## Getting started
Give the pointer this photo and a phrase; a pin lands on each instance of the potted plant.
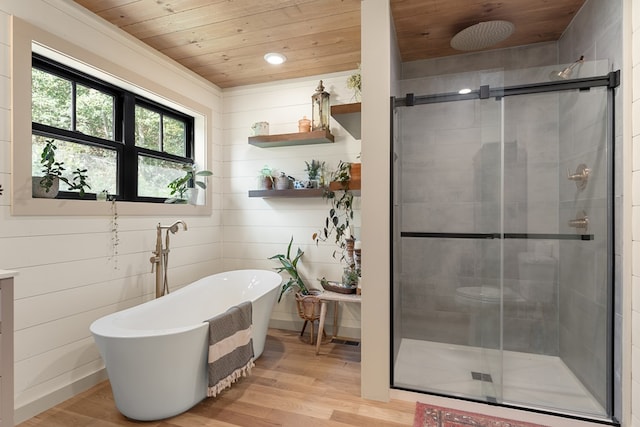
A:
(265, 177)
(47, 185)
(291, 267)
(307, 304)
(313, 172)
(350, 276)
(354, 82)
(181, 185)
(339, 221)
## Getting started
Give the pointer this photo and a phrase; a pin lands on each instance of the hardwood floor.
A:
(289, 386)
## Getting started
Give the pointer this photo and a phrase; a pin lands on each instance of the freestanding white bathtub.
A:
(156, 353)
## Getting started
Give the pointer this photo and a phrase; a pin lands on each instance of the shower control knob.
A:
(581, 176)
(581, 222)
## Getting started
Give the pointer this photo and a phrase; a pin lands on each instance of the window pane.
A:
(147, 129)
(50, 99)
(174, 134)
(154, 176)
(94, 112)
(100, 162)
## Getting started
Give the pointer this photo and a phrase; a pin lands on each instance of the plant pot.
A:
(193, 196)
(308, 310)
(355, 172)
(266, 183)
(39, 192)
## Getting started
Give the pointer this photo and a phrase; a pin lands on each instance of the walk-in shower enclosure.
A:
(502, 238)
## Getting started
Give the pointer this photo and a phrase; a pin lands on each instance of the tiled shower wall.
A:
(596, 33)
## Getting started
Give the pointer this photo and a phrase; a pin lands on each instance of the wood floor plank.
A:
(290, 386)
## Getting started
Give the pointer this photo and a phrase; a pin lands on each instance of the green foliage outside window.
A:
(87, 134)
(50, 100)
(148, 132)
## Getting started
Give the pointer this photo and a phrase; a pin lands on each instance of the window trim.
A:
(28, 38)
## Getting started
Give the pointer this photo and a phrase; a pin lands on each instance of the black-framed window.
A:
(131, 146)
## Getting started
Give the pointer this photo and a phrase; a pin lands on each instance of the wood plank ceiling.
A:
(224, 41)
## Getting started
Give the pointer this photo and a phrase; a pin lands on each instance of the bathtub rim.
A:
(107, 327)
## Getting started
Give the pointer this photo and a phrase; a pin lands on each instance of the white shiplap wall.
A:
(66, 276)
(257, 228)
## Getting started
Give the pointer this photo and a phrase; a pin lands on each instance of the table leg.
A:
(323, 315)
(335, 318)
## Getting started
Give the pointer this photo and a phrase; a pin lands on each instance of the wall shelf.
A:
(348, 115)
(302, 192)
(354, 186)
(289, 139)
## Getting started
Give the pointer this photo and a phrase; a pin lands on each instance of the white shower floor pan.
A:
(529, 380)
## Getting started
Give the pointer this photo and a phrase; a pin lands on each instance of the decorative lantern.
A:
(320, 109)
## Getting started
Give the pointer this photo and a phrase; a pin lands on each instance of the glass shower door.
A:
(503, 255)
(556, 237)
(448, 258)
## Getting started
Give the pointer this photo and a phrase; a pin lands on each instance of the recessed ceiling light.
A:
(275, 58)
(464, 91)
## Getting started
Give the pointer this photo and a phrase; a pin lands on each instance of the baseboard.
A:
(34, 408)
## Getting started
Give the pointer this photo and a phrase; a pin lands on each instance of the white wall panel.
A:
(68, 276)
(254, 228)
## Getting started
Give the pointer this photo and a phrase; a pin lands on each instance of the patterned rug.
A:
(436, 416)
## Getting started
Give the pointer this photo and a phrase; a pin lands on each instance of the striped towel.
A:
(230, 347)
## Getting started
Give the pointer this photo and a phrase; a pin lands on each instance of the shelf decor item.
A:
(304, 124)
(338, 287)
(260, 128)
(266, 178)
(313, 171)
(320, 109)
(283, 182)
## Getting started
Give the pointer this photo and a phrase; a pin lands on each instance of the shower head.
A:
(566, 73)
(482, 35)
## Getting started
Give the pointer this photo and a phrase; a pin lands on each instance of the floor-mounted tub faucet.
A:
(160, 258)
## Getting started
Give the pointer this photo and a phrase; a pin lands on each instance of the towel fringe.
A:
(224, 383)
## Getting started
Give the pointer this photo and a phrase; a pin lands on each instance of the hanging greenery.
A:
(115, 238)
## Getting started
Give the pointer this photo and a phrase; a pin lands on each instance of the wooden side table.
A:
(326, 297)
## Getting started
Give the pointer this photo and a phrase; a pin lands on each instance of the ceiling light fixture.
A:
(482, 35)
(464, 91)
(275, 58)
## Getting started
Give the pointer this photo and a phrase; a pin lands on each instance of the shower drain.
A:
(480, 376)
